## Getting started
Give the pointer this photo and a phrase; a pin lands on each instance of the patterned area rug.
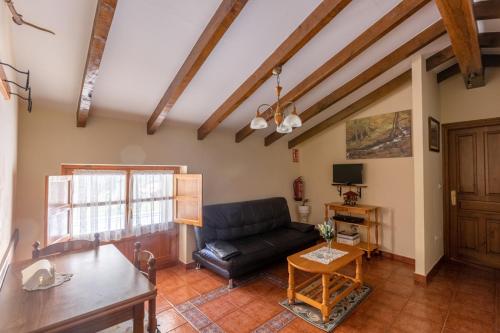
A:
(339, 312)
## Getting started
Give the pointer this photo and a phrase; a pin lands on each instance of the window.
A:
(114, 201)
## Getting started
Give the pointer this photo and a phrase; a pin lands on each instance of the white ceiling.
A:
(149, 41)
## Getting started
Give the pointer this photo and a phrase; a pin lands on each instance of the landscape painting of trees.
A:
(380, 136)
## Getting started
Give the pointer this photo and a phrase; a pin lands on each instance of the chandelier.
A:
(283, 124)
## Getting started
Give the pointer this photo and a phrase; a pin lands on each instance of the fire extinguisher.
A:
(298, 189)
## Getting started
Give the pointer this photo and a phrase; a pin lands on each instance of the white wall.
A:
(8, 138)
(461, 104)
(389, 180)
(428, 202)
(232, 172)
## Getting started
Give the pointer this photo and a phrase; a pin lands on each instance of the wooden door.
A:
(474, 183)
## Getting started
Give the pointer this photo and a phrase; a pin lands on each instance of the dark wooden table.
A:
(106, 289)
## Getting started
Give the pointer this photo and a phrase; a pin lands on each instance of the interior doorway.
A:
(471, 153)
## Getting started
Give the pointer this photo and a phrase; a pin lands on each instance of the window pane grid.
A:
(115, 203)
(151, 200)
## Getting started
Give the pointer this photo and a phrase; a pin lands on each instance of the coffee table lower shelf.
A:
(317, 291)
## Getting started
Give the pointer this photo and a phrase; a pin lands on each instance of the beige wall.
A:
(231, 171)
(461, 104)
(8, 138)
(428, 202)
(389, 180)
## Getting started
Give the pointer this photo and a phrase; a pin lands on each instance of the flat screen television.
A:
(348, 174)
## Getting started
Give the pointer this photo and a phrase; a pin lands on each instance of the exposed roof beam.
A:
(401, 53)
(383, 26)
(447, 73)
(439, 58)
(351, 109)
(460, 23)
(319, 18)
(219, 23)
(489, 39)
(487, 10)
(489, 60)
(102, 23)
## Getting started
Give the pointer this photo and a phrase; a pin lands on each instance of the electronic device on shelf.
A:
(348, 218)
(348, 174)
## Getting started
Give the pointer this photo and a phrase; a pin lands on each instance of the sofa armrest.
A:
(223, 250)
(302, 227)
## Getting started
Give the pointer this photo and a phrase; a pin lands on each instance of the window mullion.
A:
(127, 204)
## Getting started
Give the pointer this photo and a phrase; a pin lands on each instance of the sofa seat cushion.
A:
(254, 250)
(286, 239)
(254, 253)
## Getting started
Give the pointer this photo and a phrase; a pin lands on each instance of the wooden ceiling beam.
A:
(439, 58)
(487, 10)
(447, 73)
(102, 23)
(378, 30)
(458, 17)
(392, 59)
(489, 60)
(318, 19)
(220, 22)
(489, 39)
(355, 107)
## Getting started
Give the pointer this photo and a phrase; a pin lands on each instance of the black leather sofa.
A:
(238, 238)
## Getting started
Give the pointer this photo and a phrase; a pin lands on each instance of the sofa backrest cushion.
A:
(242, 219)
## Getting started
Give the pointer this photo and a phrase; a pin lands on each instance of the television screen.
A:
(348, 173)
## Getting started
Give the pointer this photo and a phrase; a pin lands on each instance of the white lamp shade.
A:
(258, 123)
(292, 120)
(283, 129)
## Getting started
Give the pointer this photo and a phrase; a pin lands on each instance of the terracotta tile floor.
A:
(458, 299)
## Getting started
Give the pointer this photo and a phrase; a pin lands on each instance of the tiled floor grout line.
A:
(455, 291)
(401, 310)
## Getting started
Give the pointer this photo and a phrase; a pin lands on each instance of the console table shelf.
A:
(371, 215)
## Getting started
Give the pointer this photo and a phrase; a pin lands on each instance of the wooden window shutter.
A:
(57, 208)
(188, 199)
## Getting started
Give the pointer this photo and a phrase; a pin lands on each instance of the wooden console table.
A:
(371, 214)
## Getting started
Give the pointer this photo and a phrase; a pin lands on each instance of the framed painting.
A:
(434, 135)
(381, 136)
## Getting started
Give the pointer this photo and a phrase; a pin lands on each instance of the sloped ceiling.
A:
(149, 41)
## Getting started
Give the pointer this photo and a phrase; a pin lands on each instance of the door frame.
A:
(446, 129)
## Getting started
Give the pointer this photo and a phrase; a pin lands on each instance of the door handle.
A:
(453, 197)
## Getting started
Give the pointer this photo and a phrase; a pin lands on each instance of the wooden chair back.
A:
(62, 247)
(146, 264)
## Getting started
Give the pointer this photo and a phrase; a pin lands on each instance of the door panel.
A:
(466, 152)
(468, 233)
(493, 233)
(492, 155)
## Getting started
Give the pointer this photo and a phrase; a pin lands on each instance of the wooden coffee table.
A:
(331, 281)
